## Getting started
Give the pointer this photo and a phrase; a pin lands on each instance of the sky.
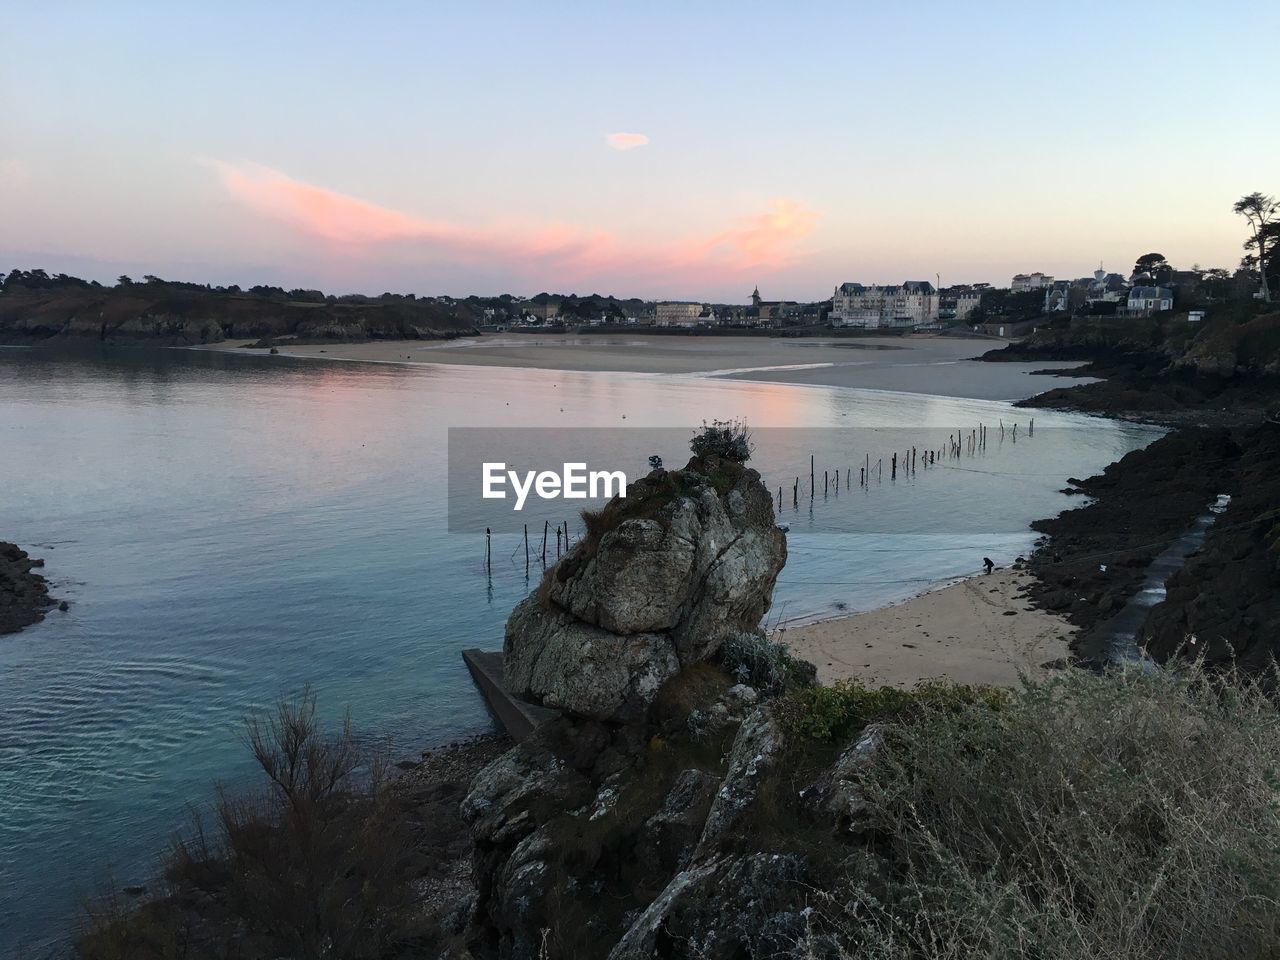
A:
(690, 149)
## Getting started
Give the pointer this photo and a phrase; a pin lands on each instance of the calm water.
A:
(228, 528)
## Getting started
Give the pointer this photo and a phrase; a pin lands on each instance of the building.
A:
(1023, 282)
(1106, 287)
(543, 311)
(679, 313)
(770, 311)
(967, 301)
(910, 304)
(959, 302)
(1146, 300)
(1057, 297)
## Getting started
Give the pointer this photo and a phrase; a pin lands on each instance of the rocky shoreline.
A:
(24, 594)
(1223, 439)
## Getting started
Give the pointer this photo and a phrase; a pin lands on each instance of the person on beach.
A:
(988, 563)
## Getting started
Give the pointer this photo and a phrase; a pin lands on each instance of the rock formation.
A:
(665, 575)
(24, 597)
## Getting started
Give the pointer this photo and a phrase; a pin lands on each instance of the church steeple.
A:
(755, 297)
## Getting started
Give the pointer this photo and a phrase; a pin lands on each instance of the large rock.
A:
(690, 560)
(570, 665)
(756, 750)
(637, 580)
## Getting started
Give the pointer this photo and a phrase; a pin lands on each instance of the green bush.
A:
(726, 439)
(841, 710)
(1134, 815)
(765, 664)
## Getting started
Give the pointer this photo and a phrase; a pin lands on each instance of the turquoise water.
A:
(228, 528)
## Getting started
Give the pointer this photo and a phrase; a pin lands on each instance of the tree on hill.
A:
(1155, 266)
(1262, 213)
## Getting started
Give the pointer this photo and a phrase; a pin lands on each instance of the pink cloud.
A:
(626, 141)
(765, 241)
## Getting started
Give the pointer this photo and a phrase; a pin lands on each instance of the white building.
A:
(909, 304)
(1023, 282)
(678, 313)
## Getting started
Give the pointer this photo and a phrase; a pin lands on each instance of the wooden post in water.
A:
(487, 549)
(893, 467)
(526, 549)
(811, 476)
(795, 493)
(862, 477)
(546, 528)
(1031, 428)
(1015, 433)
(824, 483)
(779, 499)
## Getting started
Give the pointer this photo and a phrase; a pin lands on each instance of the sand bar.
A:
(942, 366)
(980, 630)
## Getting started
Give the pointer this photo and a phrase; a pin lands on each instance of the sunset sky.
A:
(658, 149)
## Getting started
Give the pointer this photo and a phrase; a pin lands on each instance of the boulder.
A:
(637, 579)
(687, 560)
(838, 791)
(517, 791)
(556, 660)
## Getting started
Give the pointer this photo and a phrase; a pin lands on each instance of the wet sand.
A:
(943, 364)
(979, 631)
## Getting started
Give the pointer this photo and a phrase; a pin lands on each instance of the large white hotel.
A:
(909, 304)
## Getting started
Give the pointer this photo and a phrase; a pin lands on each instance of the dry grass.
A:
(1126, 816)
(312, 864)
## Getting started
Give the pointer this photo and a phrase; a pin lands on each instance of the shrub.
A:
(312, 864)
(765, 664)
(727, 439)
(840, 711)
(1131, 815)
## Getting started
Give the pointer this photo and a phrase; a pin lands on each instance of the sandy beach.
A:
(946, 364)
(980, 630)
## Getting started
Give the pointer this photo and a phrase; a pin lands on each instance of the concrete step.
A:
(518, 717)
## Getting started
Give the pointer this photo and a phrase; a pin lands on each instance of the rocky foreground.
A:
(24, 595)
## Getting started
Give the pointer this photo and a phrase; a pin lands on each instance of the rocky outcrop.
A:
(1224, 603)
(646, 840)
(755, 751)
(656, 817)
(570, 665)
(24, 596)
(687, 560)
